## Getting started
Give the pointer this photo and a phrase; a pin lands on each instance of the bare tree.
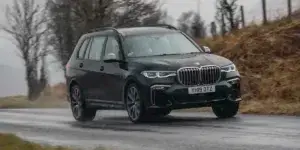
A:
(198, 26)
(228, 14)
(185, 21)
(26, 25)
(213, 29)
(137, 12)
(159, 17)
(61, 39)
(69, 19)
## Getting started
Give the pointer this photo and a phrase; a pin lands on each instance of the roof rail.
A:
(103, 29)
(163, 25)
(115, 29)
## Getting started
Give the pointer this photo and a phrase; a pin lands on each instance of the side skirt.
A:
(105, 105)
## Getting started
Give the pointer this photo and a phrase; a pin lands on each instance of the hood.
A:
(174, 62)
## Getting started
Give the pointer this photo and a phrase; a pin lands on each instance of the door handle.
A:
(81, 65)
(101, 68)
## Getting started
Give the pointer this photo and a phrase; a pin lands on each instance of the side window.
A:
(82, 49)
(86, 55)
(96, 48)
(112, 47)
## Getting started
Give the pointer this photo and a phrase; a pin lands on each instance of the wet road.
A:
(180, 131)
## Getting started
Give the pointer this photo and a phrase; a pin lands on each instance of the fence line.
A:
(265, 14)
(283, 8)
(274, 9)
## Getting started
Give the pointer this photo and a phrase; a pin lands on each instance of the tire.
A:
(78, 107)
(134, 103)
(226, 110)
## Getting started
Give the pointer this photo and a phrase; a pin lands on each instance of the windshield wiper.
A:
(166, 54)
(193, 53)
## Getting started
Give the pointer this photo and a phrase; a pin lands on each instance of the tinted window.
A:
(112, 46)
(158, 44)
(86, 55)
(96, 48)
(82, 49)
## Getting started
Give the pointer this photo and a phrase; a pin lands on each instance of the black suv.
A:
(148, 71)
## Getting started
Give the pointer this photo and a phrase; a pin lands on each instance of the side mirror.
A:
(111, 57)
(207, 49)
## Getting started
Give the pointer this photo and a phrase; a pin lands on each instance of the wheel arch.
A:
(72, 83)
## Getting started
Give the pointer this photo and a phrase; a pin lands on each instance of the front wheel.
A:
(226, 110)
(134, 104)
(79, 111)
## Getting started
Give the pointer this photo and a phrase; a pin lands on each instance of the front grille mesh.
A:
(199, 76)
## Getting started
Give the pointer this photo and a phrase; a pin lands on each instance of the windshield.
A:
(158, 44)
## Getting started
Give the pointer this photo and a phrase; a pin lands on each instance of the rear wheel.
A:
(134, 104)
(79, 110)
(226, 110)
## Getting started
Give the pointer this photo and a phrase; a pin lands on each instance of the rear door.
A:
(77, 66)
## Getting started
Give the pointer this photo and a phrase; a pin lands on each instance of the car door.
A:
(113, 72)
(93, 60)
(78, 65)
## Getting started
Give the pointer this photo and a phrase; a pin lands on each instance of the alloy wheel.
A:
(133, 103)
(76, 104)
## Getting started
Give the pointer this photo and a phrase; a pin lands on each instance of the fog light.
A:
(230, 97)
(158, 96)
(233, 81)
(160, 87)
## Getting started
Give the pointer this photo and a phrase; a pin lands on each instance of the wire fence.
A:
(274, 9)
(253, 13)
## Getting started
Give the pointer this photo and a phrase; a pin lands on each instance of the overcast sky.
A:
(174, 7)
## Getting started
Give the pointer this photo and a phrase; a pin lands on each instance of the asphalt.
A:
(179, 131)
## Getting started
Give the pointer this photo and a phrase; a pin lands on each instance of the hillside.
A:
(268, 58)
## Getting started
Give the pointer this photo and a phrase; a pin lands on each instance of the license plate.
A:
(202, 89)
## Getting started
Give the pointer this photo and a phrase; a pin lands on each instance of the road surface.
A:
(180, 131)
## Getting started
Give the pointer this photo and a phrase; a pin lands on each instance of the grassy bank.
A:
(22, 102)
(268, 58)
(52, 97)
(11, 142)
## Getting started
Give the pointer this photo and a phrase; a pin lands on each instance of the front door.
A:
(114, 79)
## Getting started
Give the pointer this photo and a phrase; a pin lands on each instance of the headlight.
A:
(158, 74)
(229, 68)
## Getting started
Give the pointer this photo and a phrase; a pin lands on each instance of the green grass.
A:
(12, 142)
(22, 102)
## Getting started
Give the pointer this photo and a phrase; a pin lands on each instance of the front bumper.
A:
(177, 97)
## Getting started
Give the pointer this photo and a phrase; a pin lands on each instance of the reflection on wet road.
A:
(179, 131)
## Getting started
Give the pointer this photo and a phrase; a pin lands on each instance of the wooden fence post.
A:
(264, 9)
(289, 9)
(223, 28)
(243, 17)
